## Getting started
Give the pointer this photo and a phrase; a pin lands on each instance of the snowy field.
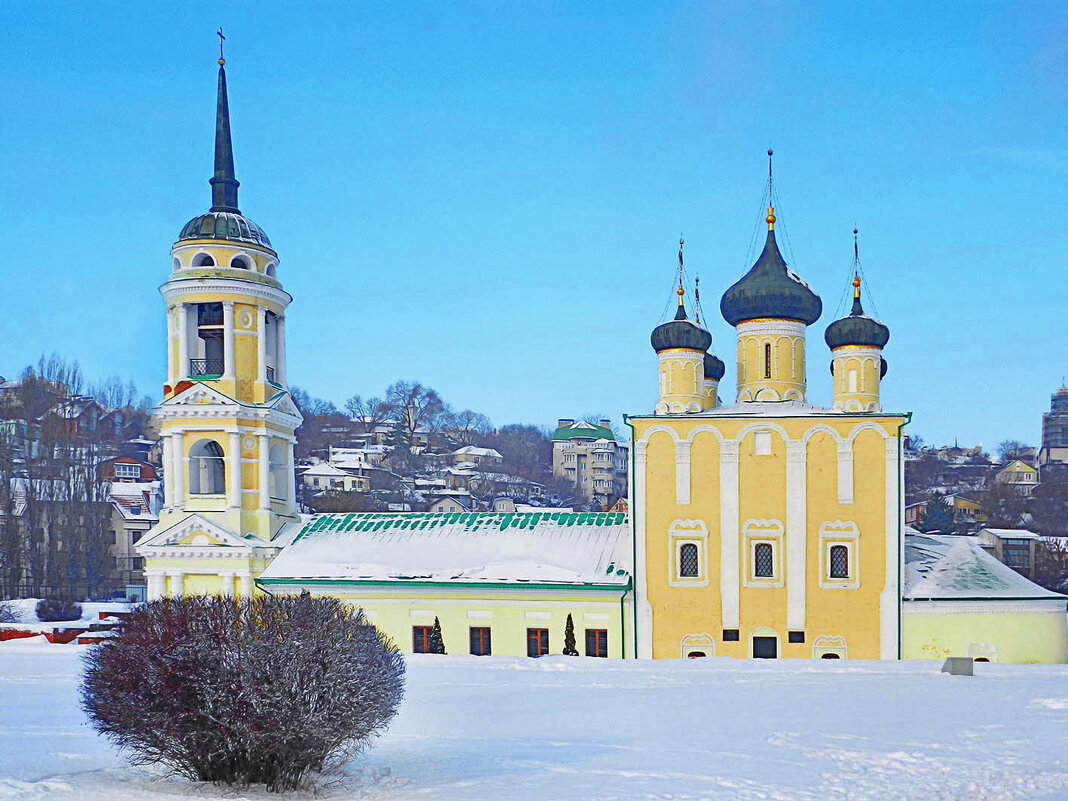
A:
(578, 728)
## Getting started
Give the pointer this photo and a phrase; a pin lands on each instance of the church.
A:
(768, 527)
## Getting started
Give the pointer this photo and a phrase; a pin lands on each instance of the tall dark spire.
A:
(223, 183)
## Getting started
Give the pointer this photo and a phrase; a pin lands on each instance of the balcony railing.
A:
(206, 367)
(270, 374)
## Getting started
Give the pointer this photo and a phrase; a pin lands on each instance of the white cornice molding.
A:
(177, 288)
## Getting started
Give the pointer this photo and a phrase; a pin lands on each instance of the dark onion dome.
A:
(857, 328)
(714, 367)
(771, 290)
(224, 225)
(680, 333)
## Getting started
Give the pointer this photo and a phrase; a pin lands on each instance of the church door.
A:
(765, 648)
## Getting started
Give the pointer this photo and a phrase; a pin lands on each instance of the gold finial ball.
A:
(856, 282)
(770, 219)
(222, 62)
(680, 292)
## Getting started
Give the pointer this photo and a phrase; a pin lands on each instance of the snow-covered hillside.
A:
(578, 728)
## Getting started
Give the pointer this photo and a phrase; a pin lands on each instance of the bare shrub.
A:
(267, 690)
(7, 612)
(55, 609)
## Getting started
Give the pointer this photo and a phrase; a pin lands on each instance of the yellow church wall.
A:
(508, 613)
(1005, 631)
(831, 610)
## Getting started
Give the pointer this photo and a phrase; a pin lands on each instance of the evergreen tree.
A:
(938, 517)
(569, 637)
(436, 644)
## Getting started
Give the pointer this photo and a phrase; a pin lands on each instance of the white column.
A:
(246, 585)
(156, 584)
(170, 341)
(796, 509)
(261, 344)
(890, 596)
(729, 574)
(643, 615)
(227, 584)
(175, 579)
(228, 340)
(291, 469)
(845, 471)
(280, 353)
(178, 471)
(168, 468)
(265, 455)
(235, 469)
(183, 341)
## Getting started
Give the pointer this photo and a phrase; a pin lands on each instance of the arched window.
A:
(271, 270)
(207, 468)
(767, 360)
(980, 659)
(764, 565)
(839, 562)
(688, 561)
(203, 260)
(277, 474)
(240, 263)
(696, 655)
(830, 656)
(176, 264)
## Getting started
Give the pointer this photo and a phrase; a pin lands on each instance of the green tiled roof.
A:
(582, 430)
(470, 521)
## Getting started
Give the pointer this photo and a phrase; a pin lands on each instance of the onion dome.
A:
(771, 290)
(224, 220)
(714, 367)
(857, 328)
(680, 333)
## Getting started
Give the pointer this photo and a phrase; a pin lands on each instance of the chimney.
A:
(564, 421)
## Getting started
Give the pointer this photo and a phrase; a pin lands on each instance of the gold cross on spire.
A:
(222, 60)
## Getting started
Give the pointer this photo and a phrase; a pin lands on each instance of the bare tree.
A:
(371, 412)
(1010, 449)
(468, 426)
(412, 407)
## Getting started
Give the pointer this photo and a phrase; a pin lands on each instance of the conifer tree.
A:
(938, 516)
(436, 644)
(569, 637)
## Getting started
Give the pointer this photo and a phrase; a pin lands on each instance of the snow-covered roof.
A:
(472, 450)
(1011, 533)
(574, 550)
(324, 469)
(947, 567)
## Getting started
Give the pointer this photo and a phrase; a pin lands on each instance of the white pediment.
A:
(200, 394)
(193, 532)
(284, 404)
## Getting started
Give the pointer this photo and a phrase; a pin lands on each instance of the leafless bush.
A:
(244, 692)
(7, 612)
(56, 609)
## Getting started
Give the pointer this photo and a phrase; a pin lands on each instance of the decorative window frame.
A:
(830, 644)
(756, 532)
(683, 532)
(697, 642)
(762, 443)
(839, 532)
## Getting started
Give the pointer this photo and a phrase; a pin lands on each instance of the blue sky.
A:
(487, 197)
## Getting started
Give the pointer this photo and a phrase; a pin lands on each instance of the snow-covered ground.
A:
(578, 728)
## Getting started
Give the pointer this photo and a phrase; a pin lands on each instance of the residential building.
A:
(968, 515)
(589, 456)
(1015, 547)
(323, 477)
(472, 456)
(1019, 475)
(1054, 450)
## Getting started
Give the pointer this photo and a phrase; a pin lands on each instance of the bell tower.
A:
(226, 420)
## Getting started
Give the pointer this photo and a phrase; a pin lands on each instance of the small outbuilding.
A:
(958, 600)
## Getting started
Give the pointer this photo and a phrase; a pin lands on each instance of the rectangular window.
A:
(138, 563)
(597, 642)
(480, 640)
(730, 635)
(795, 636)
(421, 639)
(537, 642)
(763, 560)
(127, 471)
(1016, 555)
(762, 443)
